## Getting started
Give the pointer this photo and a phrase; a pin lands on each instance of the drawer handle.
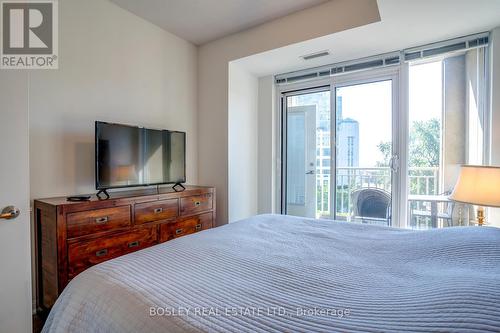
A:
(102, 220)
(133, 244)
(158, 210)
(178, 231)
(101, 253)
(197, 203)
(198, 227)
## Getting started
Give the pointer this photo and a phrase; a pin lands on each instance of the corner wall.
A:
(213, 69)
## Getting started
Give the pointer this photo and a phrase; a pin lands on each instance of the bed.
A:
(274, 273)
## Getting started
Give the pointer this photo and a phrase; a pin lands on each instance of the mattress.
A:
(274, 273)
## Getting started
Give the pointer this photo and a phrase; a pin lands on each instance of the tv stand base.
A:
(178, 187)
(102, 192)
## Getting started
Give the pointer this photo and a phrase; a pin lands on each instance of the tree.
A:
(424, 145)
(386, 150)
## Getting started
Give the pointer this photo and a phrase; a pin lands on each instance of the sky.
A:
(426, 91)
(371, 105)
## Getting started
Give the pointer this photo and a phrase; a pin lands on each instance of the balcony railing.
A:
(422, 180)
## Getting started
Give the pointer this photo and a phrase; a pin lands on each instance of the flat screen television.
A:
(128, 156)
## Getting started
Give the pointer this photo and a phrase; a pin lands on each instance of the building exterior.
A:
(347, 143)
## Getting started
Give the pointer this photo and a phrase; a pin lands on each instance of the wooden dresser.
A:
(72, 236)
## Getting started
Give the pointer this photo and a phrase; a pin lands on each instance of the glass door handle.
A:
(310, 172)
(394, 163)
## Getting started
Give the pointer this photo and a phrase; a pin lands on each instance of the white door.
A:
(15, 253)
(301, 160)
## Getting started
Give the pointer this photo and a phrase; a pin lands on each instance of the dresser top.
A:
(162, 191)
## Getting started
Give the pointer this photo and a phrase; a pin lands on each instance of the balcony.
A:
(423, 182)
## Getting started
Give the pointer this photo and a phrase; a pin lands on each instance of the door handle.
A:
(9, 212)
(310, 172)
(394, 163)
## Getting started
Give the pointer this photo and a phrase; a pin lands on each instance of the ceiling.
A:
(202, 21)
(404, 23)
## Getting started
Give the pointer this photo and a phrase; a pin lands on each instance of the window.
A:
(445, 131)
(406, 154)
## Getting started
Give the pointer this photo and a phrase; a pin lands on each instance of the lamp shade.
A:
(478, 185)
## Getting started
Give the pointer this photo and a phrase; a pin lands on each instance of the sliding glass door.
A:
(338, 149)
(364, 152)
(380, 140)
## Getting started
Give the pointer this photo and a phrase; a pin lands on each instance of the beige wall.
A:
(114, 66)
(213, 60)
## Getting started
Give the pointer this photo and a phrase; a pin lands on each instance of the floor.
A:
(38, 321)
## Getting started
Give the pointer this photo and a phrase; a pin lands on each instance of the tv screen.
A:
(132, 156)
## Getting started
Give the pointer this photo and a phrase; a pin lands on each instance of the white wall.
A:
(213, 60)
(242, 134)
(267, 119)
(114, 66)
(494, 217)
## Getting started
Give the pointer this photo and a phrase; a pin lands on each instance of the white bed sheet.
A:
(274, 273)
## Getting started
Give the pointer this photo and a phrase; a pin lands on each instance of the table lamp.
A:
(478, 185)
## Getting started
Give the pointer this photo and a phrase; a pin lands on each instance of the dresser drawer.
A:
(93, 221)
(156, 210)
(185, 226)
(82, 255)
(196, 204)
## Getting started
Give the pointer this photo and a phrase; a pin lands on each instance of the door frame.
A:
(398, 75)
